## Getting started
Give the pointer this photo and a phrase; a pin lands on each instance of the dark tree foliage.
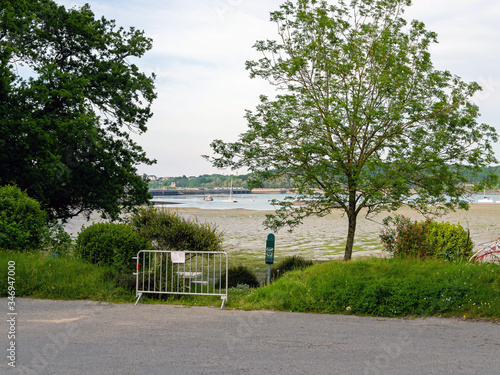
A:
(69, 98)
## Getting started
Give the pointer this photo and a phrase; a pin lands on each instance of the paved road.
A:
(83, 337)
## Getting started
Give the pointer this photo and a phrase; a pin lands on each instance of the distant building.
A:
(152, 177)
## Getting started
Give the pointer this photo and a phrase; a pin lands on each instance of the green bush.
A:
(110, 244)
(289, 264)
(167, 230)
(405, 238)
(240, 275)
(450, 241)
(23, 224)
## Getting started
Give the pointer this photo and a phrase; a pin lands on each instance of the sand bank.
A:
(322, 238)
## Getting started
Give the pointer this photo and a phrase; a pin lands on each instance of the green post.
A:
(269, 255)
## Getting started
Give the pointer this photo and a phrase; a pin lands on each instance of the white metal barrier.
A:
(182, 272)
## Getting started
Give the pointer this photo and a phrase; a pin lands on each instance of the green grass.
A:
(385, 287)
(40, 276)
(253, 261)
(376, 287)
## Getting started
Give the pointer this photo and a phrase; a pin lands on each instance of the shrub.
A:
(57, 241)
(450, 241)
(110, 244)
(240, 275)
(167, 230)
(23, 223)
(289, 264)
(406, 238)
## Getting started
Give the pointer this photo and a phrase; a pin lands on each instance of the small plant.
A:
(239, 276)
(23, 223)
(289, 264)
(167, 230)
(57, 241)
(110, 244)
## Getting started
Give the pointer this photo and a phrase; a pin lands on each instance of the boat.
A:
(208, 198)
(485, 199)
(230, 200)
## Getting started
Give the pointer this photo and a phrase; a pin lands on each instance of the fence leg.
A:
(139, 298)
(223, 301)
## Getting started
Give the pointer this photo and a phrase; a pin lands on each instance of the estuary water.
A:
(258, 201)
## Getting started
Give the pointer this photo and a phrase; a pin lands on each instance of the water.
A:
(254, 201)
(243, 201)
(493, 198)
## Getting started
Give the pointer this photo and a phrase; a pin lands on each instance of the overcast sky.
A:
(199, 53)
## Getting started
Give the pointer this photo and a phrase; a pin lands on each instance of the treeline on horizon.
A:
(213, 181)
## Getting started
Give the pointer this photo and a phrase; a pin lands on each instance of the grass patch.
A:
(253, 261)
(385, 287)
(40, 276)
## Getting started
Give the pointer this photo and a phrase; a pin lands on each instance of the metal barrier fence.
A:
(182, 272)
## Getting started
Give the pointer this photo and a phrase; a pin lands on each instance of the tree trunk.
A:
(350, 234)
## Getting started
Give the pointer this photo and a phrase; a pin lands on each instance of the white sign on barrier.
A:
(178, 257)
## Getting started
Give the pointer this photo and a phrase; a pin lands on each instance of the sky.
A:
(199, 53)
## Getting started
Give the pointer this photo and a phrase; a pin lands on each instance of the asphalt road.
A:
(83, 337)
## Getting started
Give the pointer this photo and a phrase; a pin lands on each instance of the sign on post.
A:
(269, 255)
(270, 249)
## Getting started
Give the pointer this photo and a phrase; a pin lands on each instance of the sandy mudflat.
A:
(322, 238)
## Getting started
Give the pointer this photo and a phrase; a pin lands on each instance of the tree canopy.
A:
(70, 95)
(361, 121)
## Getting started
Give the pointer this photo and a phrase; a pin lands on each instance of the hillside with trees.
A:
(212, 181)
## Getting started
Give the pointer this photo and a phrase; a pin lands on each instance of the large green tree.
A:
(362, 121)
(70, 96)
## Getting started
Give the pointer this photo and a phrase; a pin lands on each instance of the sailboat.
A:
(485, 199)
(230, 200)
